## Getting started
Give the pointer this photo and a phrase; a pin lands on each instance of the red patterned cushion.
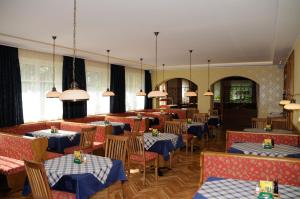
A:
(149, 156)
(16, 147)
(244, 167)
(10, 165)
(236, 136)
(51, 155)
(62, 195)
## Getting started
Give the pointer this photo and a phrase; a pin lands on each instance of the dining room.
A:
(149, 99)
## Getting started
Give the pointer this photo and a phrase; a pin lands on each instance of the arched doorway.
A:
(236, 99)
(176, 89)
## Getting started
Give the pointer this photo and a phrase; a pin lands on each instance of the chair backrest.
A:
(174, 127)
(136, 125)
(136, 144)
(200, 117)
(213, 112)
(38, 180)
(279, 123)
(259, 123)
(87, 137)
(116, 147)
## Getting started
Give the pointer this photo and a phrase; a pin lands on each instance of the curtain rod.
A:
(68, 48)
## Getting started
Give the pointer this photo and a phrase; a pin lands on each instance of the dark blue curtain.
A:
(74, 109)
(11, 109)
(148, 88)
(117, 85)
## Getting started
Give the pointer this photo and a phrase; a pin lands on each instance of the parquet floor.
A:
(181, 182)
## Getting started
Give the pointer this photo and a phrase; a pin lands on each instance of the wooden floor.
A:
(182, 181)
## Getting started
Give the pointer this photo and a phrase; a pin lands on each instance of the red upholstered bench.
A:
(241, 136)
(245, 167)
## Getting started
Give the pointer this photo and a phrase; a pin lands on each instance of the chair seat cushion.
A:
(98, 145)
(62, 195)
(51, 155)
(149, 156)
(187, 137)
(10, 165)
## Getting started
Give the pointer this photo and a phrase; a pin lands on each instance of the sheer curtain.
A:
(133, 85)
(96, 83)
(36, 78)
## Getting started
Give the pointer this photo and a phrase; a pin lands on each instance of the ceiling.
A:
(228, 31)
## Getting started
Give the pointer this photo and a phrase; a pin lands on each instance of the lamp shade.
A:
(284, 102)
(208, 93)
(190, 94)
(74, 94)
(141, 93)
(108, 93)
(157, 93)
(53, 93)
(292, 106)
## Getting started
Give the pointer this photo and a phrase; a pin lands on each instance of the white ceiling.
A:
(227, 31)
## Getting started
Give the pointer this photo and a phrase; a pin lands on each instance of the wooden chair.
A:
(187, 138)
(136, 125)
(279, 123)
(173, 127)
(259, 123)
(39, 183)
(200, 117)
(138, 156)
(116, 148)
(86, 144)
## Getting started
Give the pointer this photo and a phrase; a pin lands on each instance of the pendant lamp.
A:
(53, 93)
(74, 93)
(292, 106)
(156, 92)
(108, 93)
(208, 92)
(165, 92)
(190, 93)
(141, 92)
(284, 102)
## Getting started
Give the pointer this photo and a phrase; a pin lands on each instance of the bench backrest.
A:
(240, 136)
(246, 167)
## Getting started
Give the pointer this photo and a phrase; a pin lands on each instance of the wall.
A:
(296, 114)
(269, 78)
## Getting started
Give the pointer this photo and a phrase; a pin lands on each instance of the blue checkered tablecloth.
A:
(150, 140)
(61, 133)
(257, 130)
(279, 150)
(241, 189)
(96, 165)
(196, 124)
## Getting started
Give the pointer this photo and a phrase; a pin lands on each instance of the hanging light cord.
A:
(74, 40)
(190, 69)
(141, 59)
(208, 61)
(107, 68)
(53, 61)
(156, 33)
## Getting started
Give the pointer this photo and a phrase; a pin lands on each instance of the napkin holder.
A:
(189, 121)
(155, 132)
(106, 122)
(268, 144)
(139, 116)
(77, 157)
(54, 129)
(268, 128)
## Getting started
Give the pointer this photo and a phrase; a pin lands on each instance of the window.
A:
(96, 82)
(217, 92)
(185, 86)
(132, 86)
(36, 78)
